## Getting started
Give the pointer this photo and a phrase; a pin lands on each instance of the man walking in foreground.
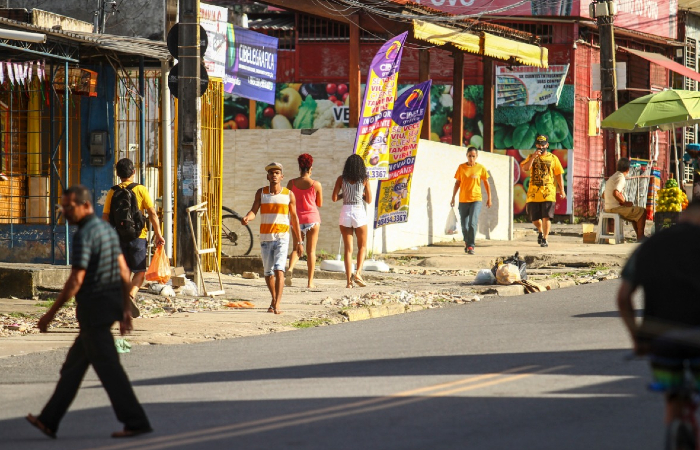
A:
(615, 201)
(99, 280)
(123, 209)
(545, 169)
(277, 206)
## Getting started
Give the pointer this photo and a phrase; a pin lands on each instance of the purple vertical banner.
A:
(251, 64)
(372, 140)
(394, 194)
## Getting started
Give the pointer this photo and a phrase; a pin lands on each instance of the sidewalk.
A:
(425, 277)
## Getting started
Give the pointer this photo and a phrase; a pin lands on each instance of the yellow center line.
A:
(347, 409)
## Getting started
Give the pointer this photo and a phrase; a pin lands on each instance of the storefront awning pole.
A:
(53, 189)
(142, 120)
(66, 159)
(167, 166)
(675, 152)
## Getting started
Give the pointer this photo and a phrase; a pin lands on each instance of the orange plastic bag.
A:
(159, 270)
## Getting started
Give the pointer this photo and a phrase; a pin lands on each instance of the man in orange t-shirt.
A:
(468, 182)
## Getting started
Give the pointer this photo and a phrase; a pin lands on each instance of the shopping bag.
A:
(451, 225)
(159, 270)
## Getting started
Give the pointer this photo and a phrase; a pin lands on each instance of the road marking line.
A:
(348, 409)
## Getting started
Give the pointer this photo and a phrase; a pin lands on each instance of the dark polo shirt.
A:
(96, 249)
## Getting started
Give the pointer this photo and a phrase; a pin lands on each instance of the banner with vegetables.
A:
(394, 194)
(251, 64)
(526, 85)
(371, 141)
(521, 179)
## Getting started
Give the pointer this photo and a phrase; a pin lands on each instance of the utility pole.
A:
(188, 119)
(604, 13)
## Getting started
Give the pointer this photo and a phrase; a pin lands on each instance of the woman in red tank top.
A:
(309, 196)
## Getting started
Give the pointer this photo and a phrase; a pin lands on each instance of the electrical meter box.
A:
(98, 148)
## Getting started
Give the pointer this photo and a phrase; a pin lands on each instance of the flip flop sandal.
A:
(130, 433)
(271, 309)
(43, 428)
(359, 281)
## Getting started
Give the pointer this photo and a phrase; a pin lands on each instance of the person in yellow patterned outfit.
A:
(545, 169)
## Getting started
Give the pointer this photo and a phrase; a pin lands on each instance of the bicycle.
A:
(236, 238)
(681, 434)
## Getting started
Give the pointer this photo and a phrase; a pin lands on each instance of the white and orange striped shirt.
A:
(274, 215)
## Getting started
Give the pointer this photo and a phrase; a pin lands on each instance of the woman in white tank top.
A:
(353, 187)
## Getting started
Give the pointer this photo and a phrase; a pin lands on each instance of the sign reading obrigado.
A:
(251, 64)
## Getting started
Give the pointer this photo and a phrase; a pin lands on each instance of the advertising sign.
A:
(394, 194)
(214, 20)
(648, 16)
(372, 140)
(251, 64)
(525, 85)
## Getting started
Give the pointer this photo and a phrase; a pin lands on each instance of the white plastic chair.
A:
(618, 233)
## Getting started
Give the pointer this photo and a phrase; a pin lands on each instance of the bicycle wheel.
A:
(680, 436)
(236, 238)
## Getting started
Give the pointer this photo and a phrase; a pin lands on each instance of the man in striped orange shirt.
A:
(278, 211)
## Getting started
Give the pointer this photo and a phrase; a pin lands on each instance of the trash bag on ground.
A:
(514, 260)
(507, 274)
(123, 346)
(451, 226)
(159, 270)
(189, 289)
(155, 288)
(484, 276)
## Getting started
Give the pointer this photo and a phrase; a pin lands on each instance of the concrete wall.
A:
(143, 18)
(246, 152)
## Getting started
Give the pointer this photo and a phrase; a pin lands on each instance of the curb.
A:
(390, 309)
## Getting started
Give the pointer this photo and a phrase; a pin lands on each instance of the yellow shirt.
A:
(142, 197)
(542, 173)
(470, 182)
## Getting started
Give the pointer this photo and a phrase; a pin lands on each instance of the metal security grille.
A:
(542, 30)
(127, 124)
(211, 169)
(32, 143)
(691, 62)
(212, 127)
(311, 28)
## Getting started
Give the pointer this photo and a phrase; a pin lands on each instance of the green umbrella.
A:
(664, 110)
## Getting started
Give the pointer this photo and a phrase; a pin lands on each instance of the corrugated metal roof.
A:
(120, 44)
(272, 23)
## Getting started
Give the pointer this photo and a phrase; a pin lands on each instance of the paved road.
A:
(544, 371)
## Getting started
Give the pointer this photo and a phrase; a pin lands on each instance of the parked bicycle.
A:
(236, 238)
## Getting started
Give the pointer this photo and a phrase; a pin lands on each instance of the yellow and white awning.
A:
(482, 44)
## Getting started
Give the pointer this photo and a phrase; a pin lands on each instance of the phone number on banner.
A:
(378, 172)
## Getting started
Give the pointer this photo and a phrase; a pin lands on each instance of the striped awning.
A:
(482, 44)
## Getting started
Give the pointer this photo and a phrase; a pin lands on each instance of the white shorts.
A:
(353, 216)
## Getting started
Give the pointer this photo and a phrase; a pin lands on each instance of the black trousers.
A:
(95, 346)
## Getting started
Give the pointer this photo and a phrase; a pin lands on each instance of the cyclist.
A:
(670, 329)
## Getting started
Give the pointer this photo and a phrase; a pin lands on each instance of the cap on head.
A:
(541, 140)
(274, 165)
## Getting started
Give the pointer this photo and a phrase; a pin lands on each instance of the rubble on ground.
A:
(428, 299)
(16, 324)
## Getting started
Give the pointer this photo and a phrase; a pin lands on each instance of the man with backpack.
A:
(123, 209)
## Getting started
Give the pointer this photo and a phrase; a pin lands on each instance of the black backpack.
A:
(124, 213)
